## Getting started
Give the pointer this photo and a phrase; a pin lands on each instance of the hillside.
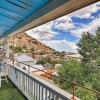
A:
(29, 42)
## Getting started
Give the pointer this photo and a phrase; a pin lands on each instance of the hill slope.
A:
(29, 42)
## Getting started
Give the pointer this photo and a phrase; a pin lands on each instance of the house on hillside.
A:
(24, 59)
(57, 66)
(38, 57)
(47, 65)
(52, 56)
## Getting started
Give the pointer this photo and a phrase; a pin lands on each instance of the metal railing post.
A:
(28, 69)
(73, 84)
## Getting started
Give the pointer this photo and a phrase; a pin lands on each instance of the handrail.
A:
(71, 82)
(13, 74)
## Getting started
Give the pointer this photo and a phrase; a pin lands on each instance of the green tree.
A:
(71, 70)
(11, 47)
(86, 72)
(18, 49)
(55, 52)
(1, 43)
(32, 52)
(89, 47)
(44, 60)
(32, 49)
(86, 47)
(42, 52)
(24, 46)
(85, 94)
(89, 77)
(97, 43)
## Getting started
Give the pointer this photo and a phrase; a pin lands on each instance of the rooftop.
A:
(24, 57)
(74, 55)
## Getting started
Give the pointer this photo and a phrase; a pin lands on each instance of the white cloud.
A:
(64, 19)
(86, 12)
(61, 45)
(64, 26)
(91, 27)
(43, 32)
(64, 23)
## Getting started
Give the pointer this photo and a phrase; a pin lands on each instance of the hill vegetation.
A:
(24, 41)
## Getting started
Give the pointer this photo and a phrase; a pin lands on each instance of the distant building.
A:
(58, 66)
(63, 52)
(47, 65)
(52, 56)
(56, 57)
(24, 59)
(38, 57)
(74, 56)
(50, 71)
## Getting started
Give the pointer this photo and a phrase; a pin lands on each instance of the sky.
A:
(63, 33)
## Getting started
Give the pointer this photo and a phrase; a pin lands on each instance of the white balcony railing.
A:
(35, 87)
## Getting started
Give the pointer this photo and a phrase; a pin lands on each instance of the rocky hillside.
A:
(29, 42)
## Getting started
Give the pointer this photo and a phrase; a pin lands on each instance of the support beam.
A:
(13, 52)
(6, 46)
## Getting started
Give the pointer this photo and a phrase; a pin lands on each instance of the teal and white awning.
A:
(17, 16)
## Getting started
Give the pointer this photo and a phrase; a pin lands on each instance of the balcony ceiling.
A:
(17, 16)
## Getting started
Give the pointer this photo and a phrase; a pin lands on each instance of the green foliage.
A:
(19, 37)
(32, 52)
(18, 49)
(1, 43)
(24, 46)
(44, 60)
(42, 53)
(89, 46)
(71, 71)
(53, 62)
(32, 49)
(11, 47)
(87, 76)
(61, 55)
(85, 94)
(48, 60)
(55, 52)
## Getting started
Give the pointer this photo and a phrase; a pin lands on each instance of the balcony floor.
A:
(8, 91)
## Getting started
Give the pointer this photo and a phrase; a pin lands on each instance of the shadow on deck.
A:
(9, 91)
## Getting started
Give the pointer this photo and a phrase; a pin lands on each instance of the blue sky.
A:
(63, 33)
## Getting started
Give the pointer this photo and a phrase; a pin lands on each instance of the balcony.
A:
(21, 16)
(28, 86)
(32, 86)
